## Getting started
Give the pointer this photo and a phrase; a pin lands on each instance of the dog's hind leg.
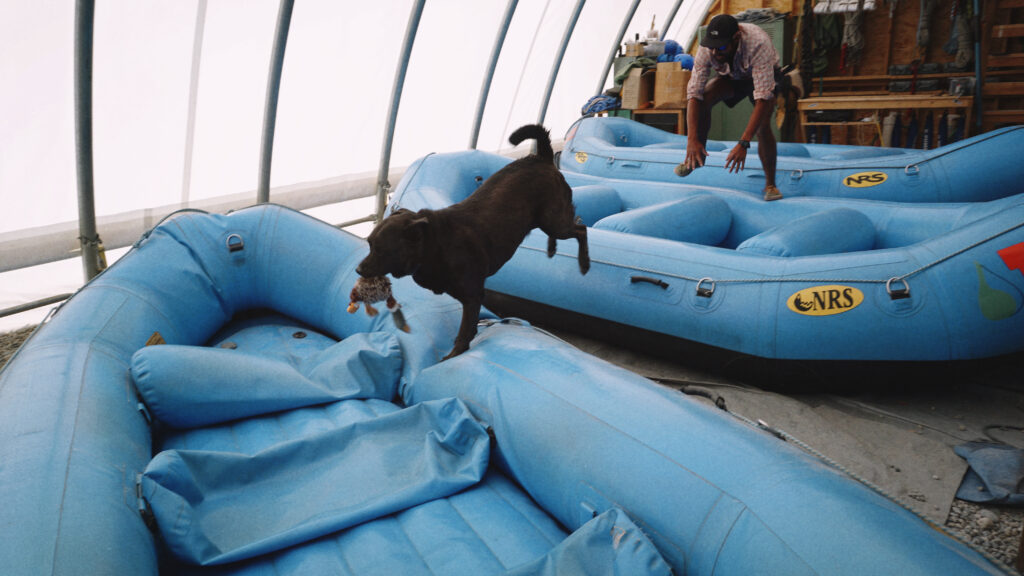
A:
(552, 246)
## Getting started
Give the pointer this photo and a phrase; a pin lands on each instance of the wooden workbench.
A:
(878, 103)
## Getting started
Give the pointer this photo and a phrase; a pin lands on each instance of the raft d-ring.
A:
(611, 159)
(897, 293)
(705, 291)
(796, 174)
(911, 170)
(235, 243)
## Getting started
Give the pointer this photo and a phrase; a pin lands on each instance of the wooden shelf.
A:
(879, 103)
(1012, 60)
(887, 102)
(1008, 31)
(679, 115)
(1004, 89)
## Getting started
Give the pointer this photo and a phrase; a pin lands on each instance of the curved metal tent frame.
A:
(122, 232)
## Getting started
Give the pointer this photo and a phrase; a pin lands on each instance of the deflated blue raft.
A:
(800, 279)
(983, 167)
(207, 405)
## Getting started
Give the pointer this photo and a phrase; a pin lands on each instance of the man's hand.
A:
(737, 159)
(695, 154)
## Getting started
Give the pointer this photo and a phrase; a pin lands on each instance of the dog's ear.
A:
(416, 228)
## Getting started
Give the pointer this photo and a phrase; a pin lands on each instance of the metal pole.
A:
(615, 46)
(33, 305)
(558, 60)
(499, 41)
(190, 130)
(671, 17)
(978, 104)
(87, 236)
(284, 21)
(383, 187)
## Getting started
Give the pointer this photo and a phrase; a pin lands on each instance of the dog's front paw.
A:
(584, 266)
(458, 349)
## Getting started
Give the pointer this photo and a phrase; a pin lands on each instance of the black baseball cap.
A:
(720, 31)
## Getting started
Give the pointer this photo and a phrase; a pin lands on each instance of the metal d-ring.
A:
(796, 174)
(705, 292)
(907, 170)
(611, 159)
(897, 294)
(235, 243)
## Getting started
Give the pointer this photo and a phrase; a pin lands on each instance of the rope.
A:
(522, 73)
(853, 37)
(961, 251)
(980, 139)
(147, 233)
(923, 24)
(768, 280)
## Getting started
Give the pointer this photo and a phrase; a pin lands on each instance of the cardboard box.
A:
(638, 89)
(670, 85)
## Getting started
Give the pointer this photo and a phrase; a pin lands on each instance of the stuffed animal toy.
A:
(377, 289)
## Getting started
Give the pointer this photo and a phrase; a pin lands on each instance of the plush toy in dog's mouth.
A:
(376, 289)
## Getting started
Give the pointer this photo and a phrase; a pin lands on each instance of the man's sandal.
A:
(772, 193)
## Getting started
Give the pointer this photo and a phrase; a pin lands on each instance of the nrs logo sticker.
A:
(825, 300)
(864, 179)
(581, 157)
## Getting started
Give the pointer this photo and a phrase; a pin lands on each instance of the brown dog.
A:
(455, 249)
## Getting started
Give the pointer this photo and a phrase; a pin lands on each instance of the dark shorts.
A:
(744, 87)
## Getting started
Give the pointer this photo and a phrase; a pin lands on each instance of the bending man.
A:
(747, 66)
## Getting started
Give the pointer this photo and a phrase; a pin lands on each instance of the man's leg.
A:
(767, 151)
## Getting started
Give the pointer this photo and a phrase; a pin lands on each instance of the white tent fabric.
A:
(179, 91)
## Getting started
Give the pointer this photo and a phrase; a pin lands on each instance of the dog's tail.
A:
(538, 133)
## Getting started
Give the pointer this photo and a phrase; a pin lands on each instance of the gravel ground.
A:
(992, 529)
(997, 531)
(10, 341)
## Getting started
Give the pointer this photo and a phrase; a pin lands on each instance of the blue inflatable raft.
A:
(984, 167)
(803, 279)
(207, 405)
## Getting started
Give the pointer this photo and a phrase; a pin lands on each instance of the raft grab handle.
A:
(656, 281)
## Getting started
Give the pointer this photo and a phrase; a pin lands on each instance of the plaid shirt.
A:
(755, 58)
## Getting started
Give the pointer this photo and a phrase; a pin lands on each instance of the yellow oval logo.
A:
(865, 179)
(825, 300)
(581, 157)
